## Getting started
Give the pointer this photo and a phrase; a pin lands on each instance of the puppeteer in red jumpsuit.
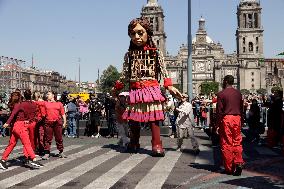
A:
(142, 69)
(24, 118)
(229, 106)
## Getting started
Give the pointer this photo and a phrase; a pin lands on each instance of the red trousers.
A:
(53, 127)
(19, 131)
(39, 136)
(230, 140)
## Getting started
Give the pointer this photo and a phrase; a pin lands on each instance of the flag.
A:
(281, 54)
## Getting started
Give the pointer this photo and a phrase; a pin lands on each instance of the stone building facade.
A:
(209, 61)
(13, 75)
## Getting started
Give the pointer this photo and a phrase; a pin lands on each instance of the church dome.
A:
(208, 40)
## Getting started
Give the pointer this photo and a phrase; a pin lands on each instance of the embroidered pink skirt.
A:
(145, 105)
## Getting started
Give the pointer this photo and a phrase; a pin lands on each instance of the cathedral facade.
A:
(209, 61)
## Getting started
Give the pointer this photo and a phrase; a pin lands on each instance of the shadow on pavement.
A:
(255, 182)
(123, 150)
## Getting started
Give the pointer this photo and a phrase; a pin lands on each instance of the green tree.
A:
(244, 91)
(276, 89)
(261, 91)
(208, 87)
(108, 78)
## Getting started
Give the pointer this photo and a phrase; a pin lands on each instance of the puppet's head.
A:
(140, 31)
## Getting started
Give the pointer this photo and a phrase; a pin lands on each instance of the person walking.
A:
(122, 125)
(53, 125)
(24, 117)
(41, 114)
(184, 124)
(229, 111)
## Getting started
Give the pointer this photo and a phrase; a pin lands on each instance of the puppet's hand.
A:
(175, 92)
(5, 125)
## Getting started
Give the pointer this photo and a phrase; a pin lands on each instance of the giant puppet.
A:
(143, 68)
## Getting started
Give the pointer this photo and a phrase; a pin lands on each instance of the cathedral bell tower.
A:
(249, 36)
(249, 33)
(155, 14)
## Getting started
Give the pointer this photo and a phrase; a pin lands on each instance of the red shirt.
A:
(42, 111)
(229, 102)
(24, 111)
(54, 111)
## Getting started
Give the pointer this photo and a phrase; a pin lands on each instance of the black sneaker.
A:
(238, 170)
(36, 164)
(3, 165)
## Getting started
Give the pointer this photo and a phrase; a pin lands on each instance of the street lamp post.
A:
(189, 60)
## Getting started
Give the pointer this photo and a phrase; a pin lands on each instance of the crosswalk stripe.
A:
(112, 176)
(160, 171)
(19, 153)
(66, 177)
(265, 151)
(66, 149)
(18, 178)
(205, 157)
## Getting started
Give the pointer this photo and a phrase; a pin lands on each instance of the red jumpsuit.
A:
(39, 133)
(53, 124)
(229, 108)
(24, 115)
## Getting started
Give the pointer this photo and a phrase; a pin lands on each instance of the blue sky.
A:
(58, 33)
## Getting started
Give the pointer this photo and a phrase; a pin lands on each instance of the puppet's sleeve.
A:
(119, 84)
(164, 72)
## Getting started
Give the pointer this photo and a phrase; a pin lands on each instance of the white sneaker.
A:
(92, 136)
(45, 157)
(98, 135)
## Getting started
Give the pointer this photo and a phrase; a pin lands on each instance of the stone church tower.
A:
(249, 36)
(155, 14)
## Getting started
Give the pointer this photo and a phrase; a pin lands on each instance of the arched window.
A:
(256, 49)
(244, 49)
(244, 40)
(158, 43)
(250, 21)
(250, 47)
(255, 20)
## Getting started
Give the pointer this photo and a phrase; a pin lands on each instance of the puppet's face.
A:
(139, 36)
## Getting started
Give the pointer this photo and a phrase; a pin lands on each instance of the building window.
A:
(252, 73)
(250, 47)
(252, 80)
(256, 20)
(158, 43)
(244, 40)
(244, 49)
(256, 40)
(151, 20)
(252, 86)
(256, 49)
(250, 20)
(157, 24)
(245, 20)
